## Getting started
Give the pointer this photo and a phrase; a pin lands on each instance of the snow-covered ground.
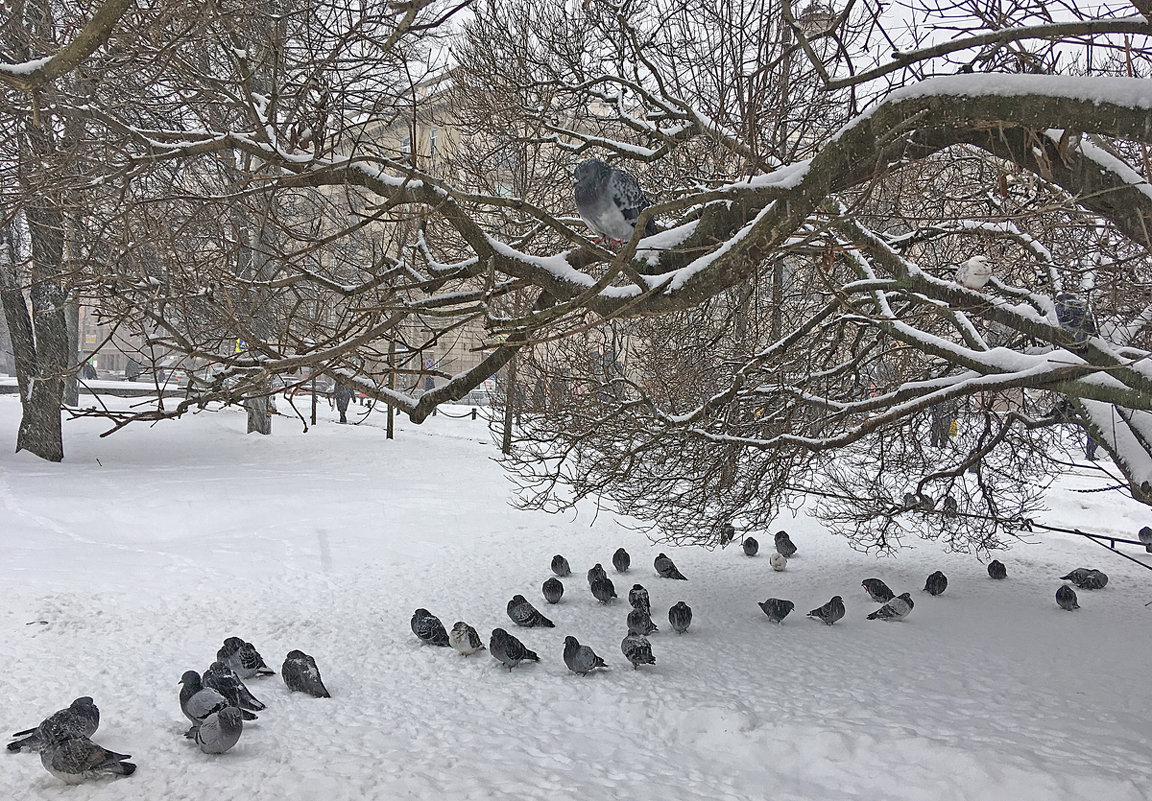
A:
(130, 562)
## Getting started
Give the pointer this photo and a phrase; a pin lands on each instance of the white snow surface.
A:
(131, 561)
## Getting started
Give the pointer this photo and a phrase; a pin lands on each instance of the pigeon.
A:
(666, 569)
(936, 583)
(197, 702)
(877, 590)
(830, 612)
(553, 590)
(79, 719)
(727, 533)
(76, 759)
(428, 628)
(640, 622)
(580, 659)
(560, 566)
(509, 650)
(603, 589)
(1074, 317)
(776, 609)
(895, 609)
(596, 571)
(784, 545)
(223, 680)
(637, 650)
(243, 658)
(997, 570)
(1087, 579)
(778, 561)
(465, 639)
(680, 616)
(751, 547)
(638, 598)
(609, 200)
(621, 560)
(1066, 598)
(1145, 537)
(523, 613)
(301, 675)
(974, 273)
(219, 731)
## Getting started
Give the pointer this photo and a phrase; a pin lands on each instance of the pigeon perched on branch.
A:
(581, 659)
(509, 650)
(830, 612)
(301, 675)
(73, 760)
(428, 628)
(877, 590)
(1066, 598)
(776, 609)
(621, 560)
(523, 613)
(974, 273)
(784, 545)
(553, 590)
(895, 609)
(609, 201)
(560, 566)
(81, 718)
(219, 731)
(666, 568)
(637, 650)
(680, 616)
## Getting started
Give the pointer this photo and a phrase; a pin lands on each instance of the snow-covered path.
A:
(130, 562)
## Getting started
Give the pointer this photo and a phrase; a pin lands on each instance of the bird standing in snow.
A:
(465, 639)
(428, 628)
(637, 650)
(997, 570)
(197, 702)
(778, 561)
(936, 583)
(596, 572)
(301, 675)
(895, 609)
(1087, 578)
(603, 589)
(509, 650)
(580, 659)
(76, 759)
(223, 680)
(638, 598)
(553, 590)
(680, 616)
(560, 566)
(727, 533)
(219, 731)
(610, 200)
(621, 560)
(784, 545)
(877, 590)
(830, 612)
(776, 609)
(751, 547)
(1145, 536)
(81, 718)
(666, 568)
(1066, 598)
(974, 273)
(243, 658)
(523, 613)
(640, 622)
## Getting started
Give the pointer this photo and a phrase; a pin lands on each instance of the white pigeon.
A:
(974, 273)
(778, 561)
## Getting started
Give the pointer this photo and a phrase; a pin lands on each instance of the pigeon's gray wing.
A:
(203, 703)
(629, 198)
(220, 731)
(75, 759)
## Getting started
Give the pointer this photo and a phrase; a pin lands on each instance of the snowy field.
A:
(130, 563)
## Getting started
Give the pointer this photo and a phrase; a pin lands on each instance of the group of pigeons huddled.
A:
(217, 703)
(579, 659)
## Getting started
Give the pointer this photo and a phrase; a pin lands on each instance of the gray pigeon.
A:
(637, 650)
(553, 590)
(603, 589)
(877, 590)
(640, 622)
(895, 609)
(936, 583)
(219, 731)
(77, 759)
(609, 200)
(784, 545)
(666, 569)
(680, 616)
(776, 609)
(465, 639)
(621, 560)
(596, 571)
(80, 719)
(997, 570)
(243, 658)
(509, 650)
(523, 613)
(1145, 537)
(727, 533)
(830, 612)
(197, 702)
(1087, 578)
(560, 566)
(223, 680)
(301, 675)
(428, 628)
(751, 547)
(638, 598)
(580, 659)
(1066, 598)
